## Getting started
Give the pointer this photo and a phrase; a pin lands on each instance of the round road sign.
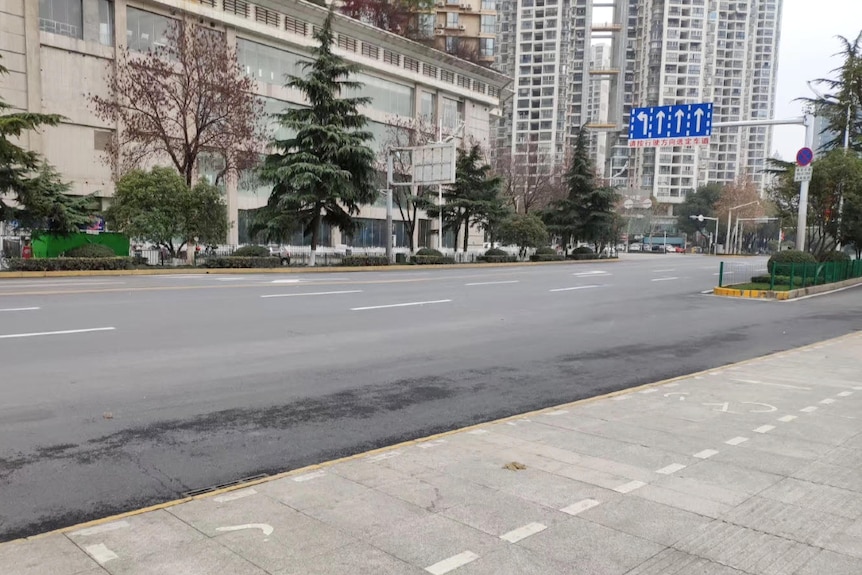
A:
(628, 204)
(647, 204)
(804, 157)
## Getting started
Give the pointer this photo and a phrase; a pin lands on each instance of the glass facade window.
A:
(145, 30)
(489, 24)
(106, 22)
(452, 20)
(426, 24)
(267, 64)
(428, 103)
(386, 96)
(372, 234)
(64, 17)
(489, 4)
(451, 113)
(486, 47)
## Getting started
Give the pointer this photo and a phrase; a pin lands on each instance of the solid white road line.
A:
(312, 293)
(705, 454)
(672, 468)
(580, 506)
(664, 271)
(516, 535)
(575, 288)
(412, 303)
(629, 487)
(492, 283)
(664, 279)
(736, 440)
(286, 281)
(19, 309)
(100, 553)
(452, 563)
(14, 285)
(592, 273)
(62, 332)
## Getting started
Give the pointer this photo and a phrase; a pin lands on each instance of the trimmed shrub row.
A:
(783, 280)
(241, 262)
(251, 252)
(546, 251)
(547, 257)
(90, 251)
(497, 258)
(431, 260)
(70, 264)
(790, 257)
(583, 255)
(356, 261)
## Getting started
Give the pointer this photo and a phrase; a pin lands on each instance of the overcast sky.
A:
(808, 43)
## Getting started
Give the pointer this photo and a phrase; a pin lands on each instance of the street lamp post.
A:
(762, 220)
(714, 242)
(730, 217)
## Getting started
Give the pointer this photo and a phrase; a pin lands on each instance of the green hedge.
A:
(546, 251)
(835, 257)
(431, 260)
(583, 256)
(497, 259)
(783, 280)
(790, 257)
(583, 250)
(358, 261)
(251, 252)
(429, 252)
(90, 251)
(69, 264)
(241, 262)
(496, 252)
(547, 258)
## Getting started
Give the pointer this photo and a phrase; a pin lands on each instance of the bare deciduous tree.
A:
(184, 100)
(530, 183)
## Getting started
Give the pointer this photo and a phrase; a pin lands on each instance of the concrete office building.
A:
(58, 51)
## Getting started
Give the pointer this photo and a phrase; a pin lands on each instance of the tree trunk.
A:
(466, 233)
(315, 233)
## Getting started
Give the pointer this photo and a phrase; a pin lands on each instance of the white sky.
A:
(806, 50)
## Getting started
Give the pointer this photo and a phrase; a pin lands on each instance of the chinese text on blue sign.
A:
(681, 125)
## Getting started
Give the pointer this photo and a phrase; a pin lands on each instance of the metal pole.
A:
(727, 239)
(440, 217)
(715, 239)
(389, 210)
(802, 218)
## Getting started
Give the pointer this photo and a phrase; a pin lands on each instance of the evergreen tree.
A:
(324, 173)
(474, 198)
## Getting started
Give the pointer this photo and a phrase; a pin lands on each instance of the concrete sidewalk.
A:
(749, 469)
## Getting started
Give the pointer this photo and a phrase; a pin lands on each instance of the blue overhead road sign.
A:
(681, 125)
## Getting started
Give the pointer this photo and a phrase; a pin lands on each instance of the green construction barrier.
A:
(49, 246)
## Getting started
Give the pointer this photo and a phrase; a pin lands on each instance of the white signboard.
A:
(803, 174)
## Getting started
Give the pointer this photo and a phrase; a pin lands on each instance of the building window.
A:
(486, 47)
(145, 30)
(265, 63)
(452, 112)
(452, 20)
(63, 17)
(426, 24)
(451, 44)
(489, 5)
(428, 106)
(106, 22)
(385, 96)
(489, 24)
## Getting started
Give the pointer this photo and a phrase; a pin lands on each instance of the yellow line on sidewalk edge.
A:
(281, 270)
(403, 444)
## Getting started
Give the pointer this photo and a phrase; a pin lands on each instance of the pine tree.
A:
(325, 172)
(31, 192)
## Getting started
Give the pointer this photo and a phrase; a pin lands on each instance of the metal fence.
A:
(788, 275)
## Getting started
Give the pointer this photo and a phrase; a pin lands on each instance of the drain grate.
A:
(212, 488)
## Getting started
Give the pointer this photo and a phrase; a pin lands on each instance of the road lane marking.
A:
(809, 409)
(264, 527)
(670, 469)
(58, 284)
(285, 281)
(62, 332)
(736, 440)
(312, 293)
(580, 506)
(452, 563)
(309, 476)
(100, 553)
(477, 432)
(575, 288)
(430, 444)
(383, 456)
(664, 279)
(764, 429)
(706, 453)
(592, 273)
(787, 418)
(408, 304)
(769, 383)
(664, 271)
(19, 309)
(629, 487)
(493, 283)
(520, 533)
(845, 394)
(557, 412)
(827, 401)
(233, 495)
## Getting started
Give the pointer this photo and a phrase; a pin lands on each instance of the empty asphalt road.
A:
(121, 392)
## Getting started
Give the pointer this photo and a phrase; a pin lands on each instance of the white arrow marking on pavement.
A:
(645, 119)
(682, 394)
(267, 529)
(698, 116)
(769, 408)
(660, 117)
(679, 116)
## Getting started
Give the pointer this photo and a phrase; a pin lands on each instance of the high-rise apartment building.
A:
(464, 28)
(655, 52)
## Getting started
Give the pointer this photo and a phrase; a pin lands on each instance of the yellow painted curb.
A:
(325, 464)
(295, 270)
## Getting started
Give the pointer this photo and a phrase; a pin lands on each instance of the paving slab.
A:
(750, 469)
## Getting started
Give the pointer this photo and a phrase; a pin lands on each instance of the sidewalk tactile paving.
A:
(789, 521)
(673, 562)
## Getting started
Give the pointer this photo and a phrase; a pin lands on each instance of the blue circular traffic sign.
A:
(804, 157)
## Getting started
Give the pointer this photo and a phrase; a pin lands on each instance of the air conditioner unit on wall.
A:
(462, 27)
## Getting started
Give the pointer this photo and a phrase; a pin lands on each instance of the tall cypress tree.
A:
(324, 173)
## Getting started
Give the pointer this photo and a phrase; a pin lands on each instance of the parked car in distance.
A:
(634, 247)
(280, 252)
